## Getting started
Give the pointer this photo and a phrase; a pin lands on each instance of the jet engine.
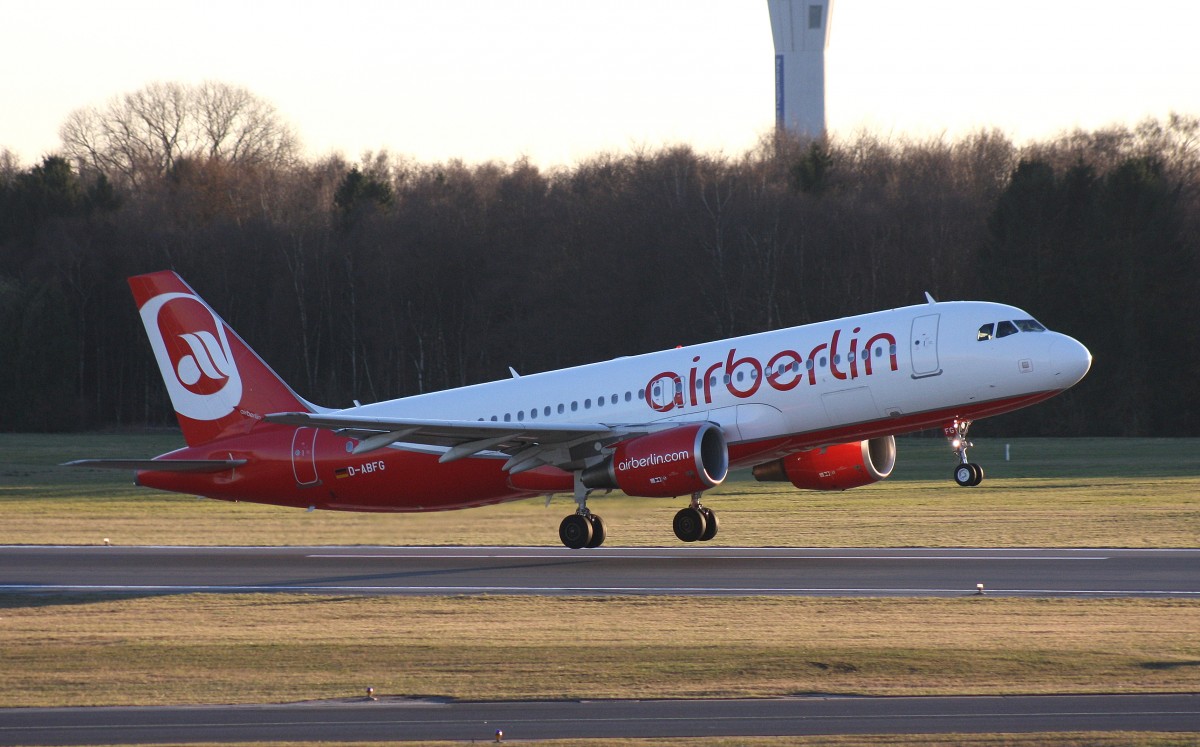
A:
(839, 467)
(679, 461)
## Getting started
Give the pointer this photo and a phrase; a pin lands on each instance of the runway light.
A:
(499, 735)
(979, 589)
(371, 694)
(106, 542)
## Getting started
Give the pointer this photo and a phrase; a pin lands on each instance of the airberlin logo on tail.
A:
(193, 355)
(208, 360)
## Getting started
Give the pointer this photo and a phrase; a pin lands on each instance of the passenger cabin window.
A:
(985, 332)
(1004, 329)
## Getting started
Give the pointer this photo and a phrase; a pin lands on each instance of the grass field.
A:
(275, 647)
(1057, 493)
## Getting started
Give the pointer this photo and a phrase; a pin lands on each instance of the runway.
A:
(690, 570)
(605, 571)
(398, 719)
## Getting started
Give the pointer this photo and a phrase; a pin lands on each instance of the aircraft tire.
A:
(575, 531)
(978, 475)
(964, 475)
(711, 524)
(599, 531)
(689, 524)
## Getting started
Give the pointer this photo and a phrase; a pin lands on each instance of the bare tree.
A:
(142, 135)
(10, 164)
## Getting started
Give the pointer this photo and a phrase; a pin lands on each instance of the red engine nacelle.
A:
(838, 467)
(680, 461)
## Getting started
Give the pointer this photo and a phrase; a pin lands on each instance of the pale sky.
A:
(562, 80)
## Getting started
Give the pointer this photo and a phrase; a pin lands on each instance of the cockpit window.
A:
(1004, 329)
(1029, 325)
(985, 332)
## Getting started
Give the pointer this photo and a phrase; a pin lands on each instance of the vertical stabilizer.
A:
(218, 386)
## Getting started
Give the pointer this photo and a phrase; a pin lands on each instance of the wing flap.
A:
(473, 436)
(551, 443)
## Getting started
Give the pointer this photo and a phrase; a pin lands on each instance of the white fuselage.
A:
(835, 379)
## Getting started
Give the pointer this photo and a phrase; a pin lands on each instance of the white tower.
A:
(800, 29)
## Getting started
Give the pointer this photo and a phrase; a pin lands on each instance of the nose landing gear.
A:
(967, 473)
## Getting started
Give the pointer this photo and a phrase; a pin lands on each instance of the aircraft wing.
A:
(529, 445)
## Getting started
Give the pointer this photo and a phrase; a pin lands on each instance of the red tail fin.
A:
(218, 385)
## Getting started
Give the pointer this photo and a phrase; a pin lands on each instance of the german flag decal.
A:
(341, 472)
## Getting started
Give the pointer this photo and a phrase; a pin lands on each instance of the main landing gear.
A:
(967, 473)
(582, 528)
(696, 522)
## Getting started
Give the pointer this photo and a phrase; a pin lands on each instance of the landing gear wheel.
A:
(968, 475)
(575, 531)
(978, 474)
(689, 524)
(711, 524)
(599, 531)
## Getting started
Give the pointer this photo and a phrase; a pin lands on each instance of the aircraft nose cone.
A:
(1070, 360)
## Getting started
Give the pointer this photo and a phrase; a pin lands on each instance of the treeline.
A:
(386, 277)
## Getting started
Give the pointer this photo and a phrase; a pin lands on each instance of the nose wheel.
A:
(967, 474)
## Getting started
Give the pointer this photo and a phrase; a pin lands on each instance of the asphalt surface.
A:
(397, 720)
(688, 570)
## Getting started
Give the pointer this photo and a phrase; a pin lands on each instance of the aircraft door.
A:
(666, 393)
(923, 347)
(304, 456)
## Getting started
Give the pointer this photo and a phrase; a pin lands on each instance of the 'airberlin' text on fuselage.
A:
(742, 377)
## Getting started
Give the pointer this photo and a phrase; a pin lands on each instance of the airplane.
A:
(817, 405)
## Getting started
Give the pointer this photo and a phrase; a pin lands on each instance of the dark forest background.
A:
(385, 277)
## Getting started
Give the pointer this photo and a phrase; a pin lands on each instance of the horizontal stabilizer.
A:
(160, 465)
